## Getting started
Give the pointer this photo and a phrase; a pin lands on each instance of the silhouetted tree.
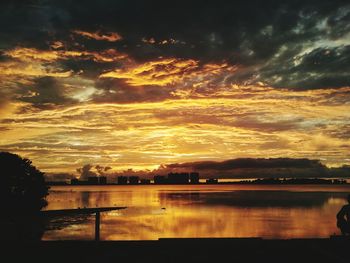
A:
(22, 193)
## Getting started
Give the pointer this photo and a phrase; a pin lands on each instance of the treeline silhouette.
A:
(22, 191)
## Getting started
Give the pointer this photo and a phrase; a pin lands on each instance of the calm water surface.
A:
(158, 211)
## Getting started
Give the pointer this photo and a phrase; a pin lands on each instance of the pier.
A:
(82, 211)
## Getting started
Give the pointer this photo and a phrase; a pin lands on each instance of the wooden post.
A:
(97, 226)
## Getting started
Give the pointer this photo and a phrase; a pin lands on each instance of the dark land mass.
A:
(293, 181)
(328, 250)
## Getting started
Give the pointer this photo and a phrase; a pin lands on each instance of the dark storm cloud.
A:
(46, 92)
(322, 67)
(254, 168)
(85, 172)
(244, 163)
(29, 22)
(118, 91)
(102, 169)
(88, 68)
(285, 44)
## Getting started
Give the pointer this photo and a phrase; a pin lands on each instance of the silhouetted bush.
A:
(22, 193)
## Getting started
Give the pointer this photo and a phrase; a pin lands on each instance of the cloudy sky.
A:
(135, 84)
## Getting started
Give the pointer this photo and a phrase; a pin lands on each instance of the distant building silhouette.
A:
(145, 181)
(74, 181)
(178, 178)
(159, 179)
(93, 180)
(212, 181)
(134, 180)
(122, 180)
(102, 180)
(194, 178)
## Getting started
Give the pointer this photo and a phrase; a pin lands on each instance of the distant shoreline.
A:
(270, 181)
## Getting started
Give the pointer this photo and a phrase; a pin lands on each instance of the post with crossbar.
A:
(97, 226)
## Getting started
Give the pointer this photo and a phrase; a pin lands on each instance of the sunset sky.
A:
(136, 84)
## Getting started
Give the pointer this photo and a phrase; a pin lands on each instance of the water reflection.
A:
(200, 211)
(61, 222)
(85, 198)
(254, 198)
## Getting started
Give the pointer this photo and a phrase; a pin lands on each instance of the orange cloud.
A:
(30, 54)
(31, 70)
(169, 71)
(142, 135)
(161, 73)
(57, 45)
(108, 55)
(112, 36)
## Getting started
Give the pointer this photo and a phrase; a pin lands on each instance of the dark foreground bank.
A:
(332, 250)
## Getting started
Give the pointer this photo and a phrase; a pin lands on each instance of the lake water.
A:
(167, 211)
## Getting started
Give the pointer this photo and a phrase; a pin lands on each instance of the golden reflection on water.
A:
(159, 211)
